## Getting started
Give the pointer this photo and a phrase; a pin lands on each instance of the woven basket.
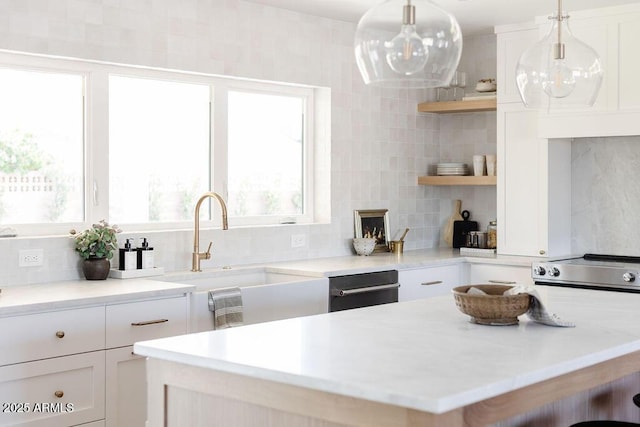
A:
(493, 308)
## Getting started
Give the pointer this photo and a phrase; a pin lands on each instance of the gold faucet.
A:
(196, 256)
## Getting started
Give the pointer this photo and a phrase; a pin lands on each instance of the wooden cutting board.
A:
(447, 233)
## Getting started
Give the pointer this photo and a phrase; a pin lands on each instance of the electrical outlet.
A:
(30, 257)
(298, 240)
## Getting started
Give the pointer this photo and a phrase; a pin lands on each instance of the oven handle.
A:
(347, 292)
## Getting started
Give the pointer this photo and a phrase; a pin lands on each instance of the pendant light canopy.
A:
(560, 70)
(405, 43)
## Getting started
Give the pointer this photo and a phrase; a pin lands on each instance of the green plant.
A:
(99, 241)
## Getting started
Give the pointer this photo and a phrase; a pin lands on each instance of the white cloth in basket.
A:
(537, 309)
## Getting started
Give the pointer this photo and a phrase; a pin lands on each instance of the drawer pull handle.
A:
(58, 394)
(149, 322)
(60, 334)
(435, 282)
(503, 282)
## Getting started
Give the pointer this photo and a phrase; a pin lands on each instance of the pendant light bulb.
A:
(560, 81)
(406, 52)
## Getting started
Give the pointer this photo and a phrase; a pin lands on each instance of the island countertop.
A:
(423, 355)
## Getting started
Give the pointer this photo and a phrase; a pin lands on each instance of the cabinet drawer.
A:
(44, 335)
(62, 391)
(500, 274)
(427, 282)
(145, 320)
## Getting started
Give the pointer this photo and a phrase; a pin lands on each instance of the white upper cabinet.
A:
(511, 42)
(614, 33)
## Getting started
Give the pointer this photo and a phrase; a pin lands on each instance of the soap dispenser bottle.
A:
(145, 255)
(127, 257)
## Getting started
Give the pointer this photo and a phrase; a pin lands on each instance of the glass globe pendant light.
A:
(421, 50)
(560, 70)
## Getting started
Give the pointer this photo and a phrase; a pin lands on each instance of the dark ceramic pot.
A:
(96, 268)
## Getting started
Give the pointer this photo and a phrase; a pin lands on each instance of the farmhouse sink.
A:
(241, 277)
(266, 295)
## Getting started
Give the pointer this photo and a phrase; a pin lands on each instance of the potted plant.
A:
(96, 246)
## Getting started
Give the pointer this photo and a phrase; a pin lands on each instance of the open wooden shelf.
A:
(456, 180)
(458, 106)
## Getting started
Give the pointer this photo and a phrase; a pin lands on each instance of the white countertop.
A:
(25, 299)
(17, 300)
(336, 266)
(421, 354)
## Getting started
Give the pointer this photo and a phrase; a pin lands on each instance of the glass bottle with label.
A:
(492, 235)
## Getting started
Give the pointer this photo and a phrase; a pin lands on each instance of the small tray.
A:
(131, 274)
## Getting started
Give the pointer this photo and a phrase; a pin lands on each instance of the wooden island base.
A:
(183, 395)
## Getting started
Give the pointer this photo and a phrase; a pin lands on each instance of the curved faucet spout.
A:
(196, 256)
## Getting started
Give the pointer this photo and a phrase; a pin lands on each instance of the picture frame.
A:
(374, 222)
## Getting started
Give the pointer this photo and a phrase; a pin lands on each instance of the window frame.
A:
(96, 141)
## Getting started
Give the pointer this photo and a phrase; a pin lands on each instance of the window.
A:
(41, 147)
(82, 141)
(158, 149)
(266, 166)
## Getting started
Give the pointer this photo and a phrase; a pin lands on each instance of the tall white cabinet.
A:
(534, 174)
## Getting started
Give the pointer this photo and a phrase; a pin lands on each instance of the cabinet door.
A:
(427, 282)
(500, 274)
(285, 300)
(533, 188)
(629, 66)
(510, 46)
(62, 391)
(126, 388)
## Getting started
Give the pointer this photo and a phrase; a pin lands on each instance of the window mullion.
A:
(97, 147)
(219, 143)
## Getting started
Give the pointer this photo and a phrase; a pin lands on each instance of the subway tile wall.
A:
(379, 144)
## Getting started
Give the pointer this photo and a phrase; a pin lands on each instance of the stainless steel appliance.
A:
(592, 271)
(363, 290)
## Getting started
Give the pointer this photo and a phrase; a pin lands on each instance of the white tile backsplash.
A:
(380, 144)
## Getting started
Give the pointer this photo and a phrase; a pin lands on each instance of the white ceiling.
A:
(474, 16)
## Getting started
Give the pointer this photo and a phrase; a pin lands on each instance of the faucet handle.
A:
(208, 253)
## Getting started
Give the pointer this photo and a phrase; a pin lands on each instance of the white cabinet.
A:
(533, 173)
(511, 42)
(61, 391)
(427, 282)
(499, 274)
(533, 188)
(127, 323)
(613, 32)
(126, 388)
(55, 362)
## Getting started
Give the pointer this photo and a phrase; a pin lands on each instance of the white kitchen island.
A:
(416, 363)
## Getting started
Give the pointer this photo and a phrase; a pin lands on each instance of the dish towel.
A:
(538, 311)
(226, 306)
